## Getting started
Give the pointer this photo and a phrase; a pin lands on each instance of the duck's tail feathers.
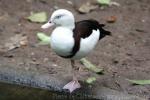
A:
(103, 32)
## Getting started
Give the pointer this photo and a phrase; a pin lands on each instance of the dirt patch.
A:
(126, 54)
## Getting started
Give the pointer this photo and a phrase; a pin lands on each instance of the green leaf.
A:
(90, 66)
(104, 2)
(40, 17)
(44, 39)
(90, 80)
(139, 82)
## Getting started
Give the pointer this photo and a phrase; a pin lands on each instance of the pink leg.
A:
(74, 84)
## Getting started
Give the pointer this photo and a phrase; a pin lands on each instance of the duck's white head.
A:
(61, 17)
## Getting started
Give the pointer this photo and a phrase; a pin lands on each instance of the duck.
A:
(73, 40)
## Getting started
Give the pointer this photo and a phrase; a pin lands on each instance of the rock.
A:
(55, 83)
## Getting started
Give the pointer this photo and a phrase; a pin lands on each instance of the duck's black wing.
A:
(83, 29)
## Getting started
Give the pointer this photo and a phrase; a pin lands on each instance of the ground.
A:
(124, 55)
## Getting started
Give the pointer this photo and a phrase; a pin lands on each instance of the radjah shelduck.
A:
(73, 40)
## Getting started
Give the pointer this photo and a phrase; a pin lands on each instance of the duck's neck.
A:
(69, 26)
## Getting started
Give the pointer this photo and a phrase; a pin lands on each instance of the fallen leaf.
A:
(5, 16)
(114, 3)
(90, 66)
(111, 19)
(70, 2)
(40, 17)
(23, 41)
(90, 80)
(44, 39)
(15, 42)
(139, 82)
(87, 7)
(104, 2)
(108, 2)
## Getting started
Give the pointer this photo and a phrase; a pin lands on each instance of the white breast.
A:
(87, 44)
(62, 41)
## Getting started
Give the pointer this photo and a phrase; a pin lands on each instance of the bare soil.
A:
(124, 55)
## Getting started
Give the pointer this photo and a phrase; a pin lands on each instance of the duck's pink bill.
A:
(47, 25)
